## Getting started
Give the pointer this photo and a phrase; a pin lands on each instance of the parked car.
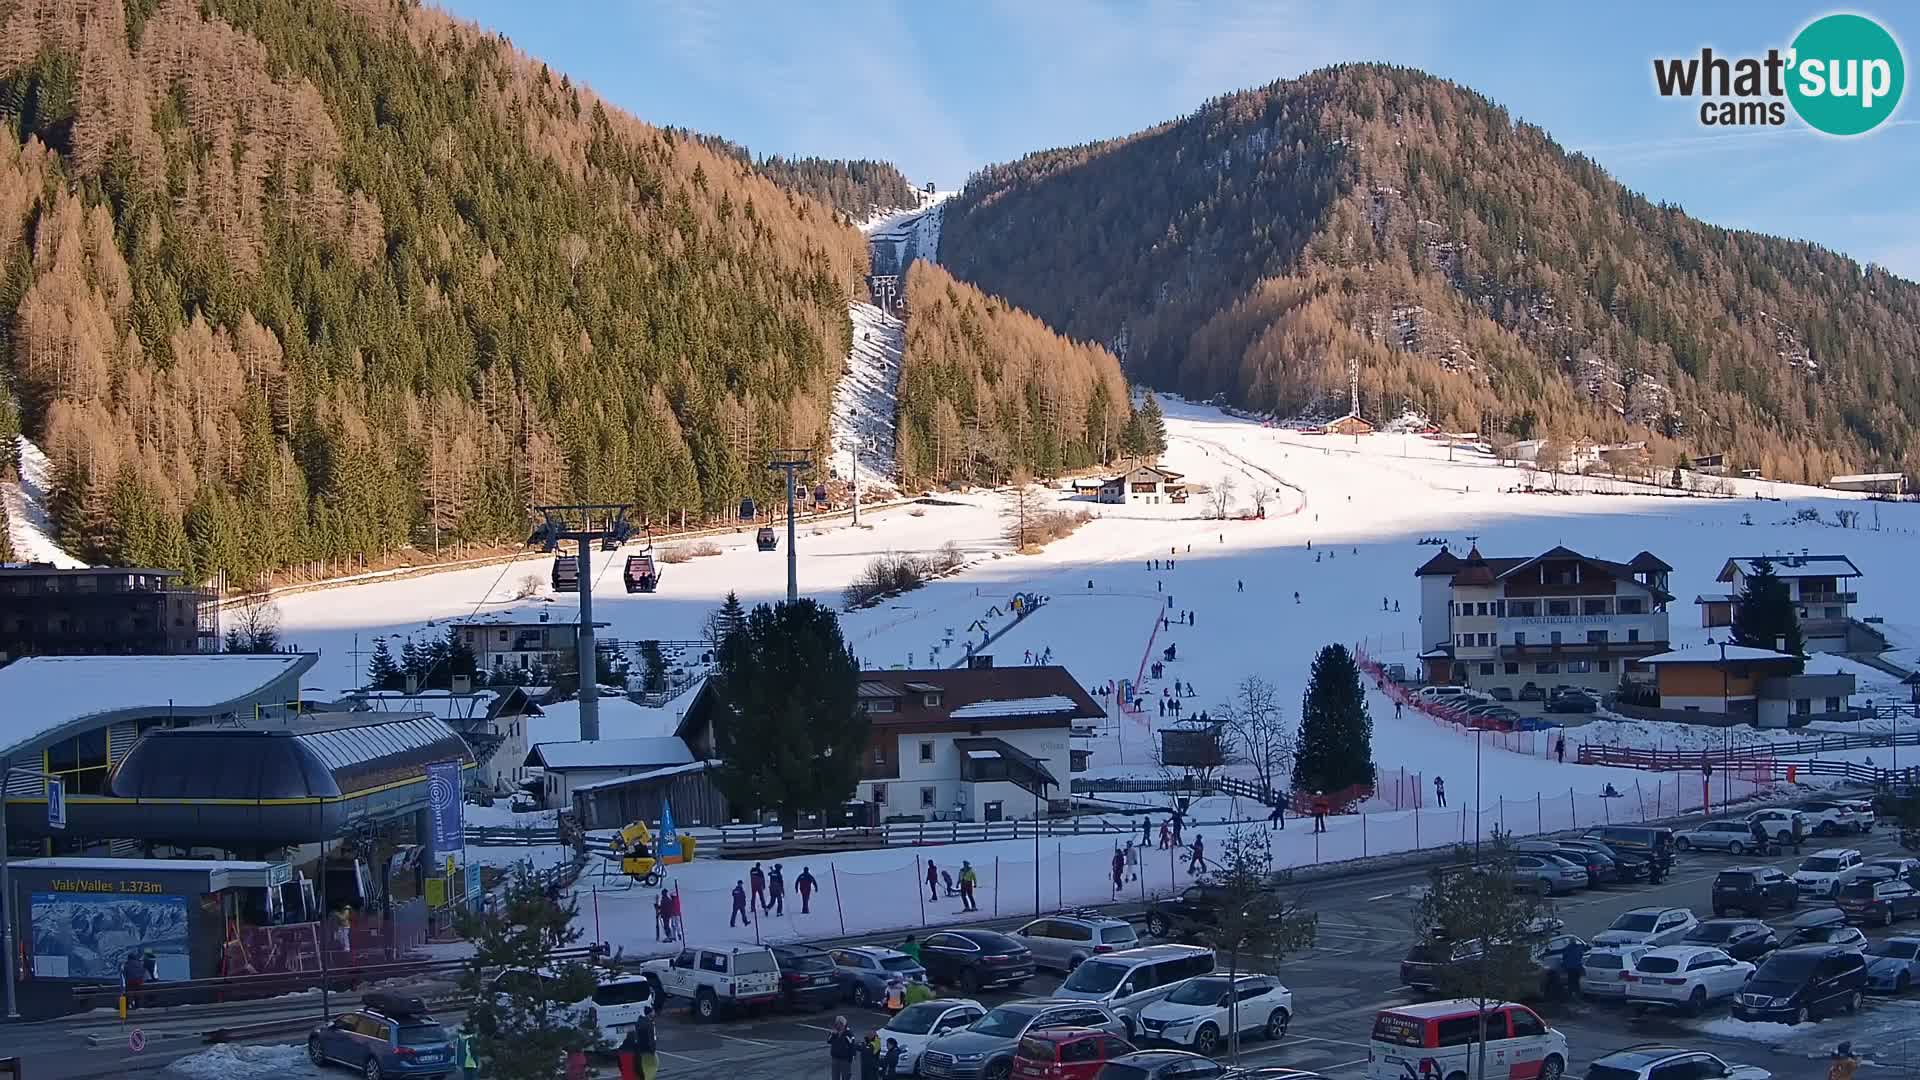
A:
(1132, 979)
(1501, 693)
(1441, 693)
(1742, 939)
(1831, 818)
(614, 1005)
(1893, 964)
(1823, 926)
(1628, 865)
(864, 971)
(1530, 692)
(388, 1035)
(1200, 1013)
(1599, 865)
(1654, 842)
(1751, 890)
(1656, 1062)
(1907, 870)
(1655, 926)
(1163, 1065)
(1572, 701)
(1804, 983)
(1548, 873)
(975, 960)
(1061, 941)
(1779, 821)
(917, 1025)
(1881, 900)
(1685, 977)
(1424, 959)
(1822, 873)
(1864, 810)
(807, 977)
(1731, 836)
(984, 1049)
(716, 980)
(1605, 968)
(1407, 1038)
(1066, 1053)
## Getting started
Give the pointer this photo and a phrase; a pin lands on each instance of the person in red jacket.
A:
(933, 881)
(804, 885)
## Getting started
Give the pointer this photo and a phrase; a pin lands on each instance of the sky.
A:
(943, 89)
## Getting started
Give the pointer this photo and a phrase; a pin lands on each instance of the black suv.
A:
(1742, 939)
(1628, 865)
(1803, 983)
(807, 977)
(1751, 890)
(976, 959)
(1196, 908)
(1655, 843)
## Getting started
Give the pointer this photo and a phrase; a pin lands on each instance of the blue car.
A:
(1893, 964)
(863, 972)
(389, 1035)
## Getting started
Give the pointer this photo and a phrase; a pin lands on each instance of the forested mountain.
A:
(290, 281)
(986, 388)
(1473, 269)
(854, 187)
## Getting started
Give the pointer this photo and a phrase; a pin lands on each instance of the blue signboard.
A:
(443, 807)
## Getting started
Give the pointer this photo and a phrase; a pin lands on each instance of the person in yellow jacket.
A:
(968, 880)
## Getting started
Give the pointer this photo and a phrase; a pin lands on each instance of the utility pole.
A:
(854, 445)
(607, 523)
(791, 462)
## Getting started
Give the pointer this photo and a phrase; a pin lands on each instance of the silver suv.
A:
(984, 1049)
(1062, 940)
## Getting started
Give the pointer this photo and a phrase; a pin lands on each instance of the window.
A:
(1603, 665)
(1525, 1024)
(1480, 609)
(1465, 640)
(1462, 1030)
(1579, 667)
(926, 749)
(878, 705)
(1833, 704)
(928, 795)
(1486, 669)
(932, 700)
(1596, 637)
(503, 637)
(1081, 1050)
(879, 793)
(1512, 669)
(714, 962)
(1519, 637)
(1465, 609)
(1523, 609)
(1630, 605)
(879, 754)
(1633, 635)
(1559, 607)
(1483, 640)
(1554, 637)
(1802, 707)
(1546, 667)
(1596, 605)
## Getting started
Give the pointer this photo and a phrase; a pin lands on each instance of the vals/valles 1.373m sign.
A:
(1843, 75)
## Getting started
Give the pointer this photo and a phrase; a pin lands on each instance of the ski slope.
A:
(28, 525)
(864, 415)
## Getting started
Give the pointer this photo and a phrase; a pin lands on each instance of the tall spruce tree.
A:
(788, 729)
(1766, 616)
(382, 672)
(1335, 747)
(725, 619)
(1153, 428)
(457, 659)
(524, 1028)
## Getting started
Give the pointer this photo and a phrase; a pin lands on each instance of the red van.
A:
(1432, 1041)
(1066, 1053)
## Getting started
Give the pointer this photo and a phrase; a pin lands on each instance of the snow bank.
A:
(27, 522)
(230, 1061)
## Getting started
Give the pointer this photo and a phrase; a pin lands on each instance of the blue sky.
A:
(942, 89)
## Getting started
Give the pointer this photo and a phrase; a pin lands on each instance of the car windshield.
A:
(899, 963)
(750, 963)
(1787, 968)
(1095, 977)
(423, 1035)
(1004, 1022)
(1708, 931)
(1659, 965)
(815, 962)
(1199, 992)
(916, 1019)
(1637, 921)
(1899, 950)
(1820, 864)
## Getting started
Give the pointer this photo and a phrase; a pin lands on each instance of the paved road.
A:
(1366, 925)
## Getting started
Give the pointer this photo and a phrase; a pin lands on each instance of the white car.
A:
(1685, 976)
(1822, 873)
(1653, 926)
(1830, 818)
(1780, 821)
(716, 979)
(1200, 1012)
(1651, 1061)
(615, 1006)
(1606, 968)
(917, 1025)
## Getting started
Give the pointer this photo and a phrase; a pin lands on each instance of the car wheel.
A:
(1074, 962)
(1157, 925)
(1697, 1001)
(1551, 1068)
(1681, 843)
(1853, 1002)
(314, 1055)
(1206, 1040)
(372, 1071)
(1799, 1015)
(862, 997)
(999, 1070)
(1886, 917)
(653, 988)
(1825, 828)
(1735, 847)
(1278, 1018)
(1901, 984)
(706, 1006)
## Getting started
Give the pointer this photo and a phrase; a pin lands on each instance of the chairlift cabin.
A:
(820, 496)
(642, 575)
(766, 538)
(566, 574)
(747, 510)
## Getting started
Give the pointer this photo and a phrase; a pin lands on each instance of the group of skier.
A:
(769, 894)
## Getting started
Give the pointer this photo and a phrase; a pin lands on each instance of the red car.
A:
(1066, 1054)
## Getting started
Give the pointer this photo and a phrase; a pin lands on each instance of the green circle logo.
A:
(1847, 74)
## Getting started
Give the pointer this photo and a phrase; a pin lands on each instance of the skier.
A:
(1146, 831)
(933, 881)
(1158, 585)
(1189, 618)
(1396, 708)
(679, 924)
(1383, 603)
(758, 878)
(661, 921)
(1089, 584)
(1029, 657)
(1278, 819)
(1223, 538)
(1176, 686)
(1119, 869)
(1560, 749)
(1179, 820)
(1239, 585)
(968, 879)
(1163, 708)
(1320, 808)
(1440, 790)
(777, 890)
(805, 884)
(740, 912)
(1189, 549)
(1166, 834)
(1199, 861)
(1396, 605)
(1296, 597)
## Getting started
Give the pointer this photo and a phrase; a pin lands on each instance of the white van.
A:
(1433, 1041)
(1131, 979)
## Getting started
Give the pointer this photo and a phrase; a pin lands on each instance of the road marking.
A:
(815, 1027)
(1344, 1064)
(671, 1054)
(1318, 1038)
(752, 1042)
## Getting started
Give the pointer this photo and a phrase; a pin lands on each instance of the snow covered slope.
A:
(900, 236)
(27, 521)
(863, 403)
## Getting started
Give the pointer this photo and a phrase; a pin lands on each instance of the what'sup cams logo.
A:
(1842, 75)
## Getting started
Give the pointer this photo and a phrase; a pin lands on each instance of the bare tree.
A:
(1256, 731)
(1260, 497)
(1549, 458)
(1222, 497)
(1022, 513)
(256, 626)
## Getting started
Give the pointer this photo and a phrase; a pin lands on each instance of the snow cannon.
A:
(640, 860)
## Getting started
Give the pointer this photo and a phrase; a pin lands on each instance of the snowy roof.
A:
(479, 705)
(650, 774)
(611, 753)
(1035, 706)
(1714, 598)
(511, 619)
(1711, 654)
(1792, 566)
(50, 697)
(79, 863)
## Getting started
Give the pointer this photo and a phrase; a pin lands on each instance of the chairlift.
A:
(820, 496)
(747, 510)
(766, 539)
(566, 574)
(642, 575)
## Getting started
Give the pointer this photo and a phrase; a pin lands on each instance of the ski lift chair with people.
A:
(643, 576)
(566, 574)
(766, 539)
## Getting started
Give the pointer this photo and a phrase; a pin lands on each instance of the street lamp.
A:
(1726, 729)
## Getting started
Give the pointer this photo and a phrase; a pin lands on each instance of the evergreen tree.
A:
(654, 665)
(1153, 428)
(1334, 749)
(524, 1028)
(382, 672)
(725, 619)
(458, 659)
(789, 733)
(1765, 616)
(1133, 436)
(414, 663)
(6, 537)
